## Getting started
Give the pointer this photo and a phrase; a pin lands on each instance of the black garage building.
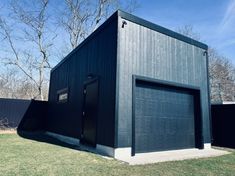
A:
(132, 87)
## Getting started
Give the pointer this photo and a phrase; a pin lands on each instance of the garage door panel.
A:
(163, 108)
(164, 119)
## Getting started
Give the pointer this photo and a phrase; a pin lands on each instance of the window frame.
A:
(61, 92)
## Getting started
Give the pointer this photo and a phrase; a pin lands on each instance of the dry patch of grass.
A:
(9, 131)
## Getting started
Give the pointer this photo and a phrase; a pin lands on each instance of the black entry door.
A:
(90, 112)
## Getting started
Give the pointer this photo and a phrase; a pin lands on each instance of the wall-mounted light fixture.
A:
(124, 23)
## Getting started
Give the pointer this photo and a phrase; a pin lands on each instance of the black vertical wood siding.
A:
(97, 56)
(145, 52)
(114, 53)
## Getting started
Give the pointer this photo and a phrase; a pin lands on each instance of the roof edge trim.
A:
(139, 21)
(161, 29)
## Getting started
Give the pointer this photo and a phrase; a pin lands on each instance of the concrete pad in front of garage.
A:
(155, 157)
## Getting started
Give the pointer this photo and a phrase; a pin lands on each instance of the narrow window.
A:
(62, 95)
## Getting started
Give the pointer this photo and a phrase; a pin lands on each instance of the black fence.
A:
(223, 125)
(27, 115)
(12, 111)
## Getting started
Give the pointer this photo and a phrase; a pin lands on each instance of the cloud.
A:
(225, 33)
(228, 20)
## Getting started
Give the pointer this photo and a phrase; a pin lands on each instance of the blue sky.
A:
(214, 20)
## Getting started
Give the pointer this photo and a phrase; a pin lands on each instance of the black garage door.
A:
(164, 118)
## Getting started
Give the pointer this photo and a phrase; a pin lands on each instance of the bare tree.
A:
(8, 83)
(188, 31)
(81, 17)
(27, 39)
(74, 20)
(222, 77)
(221, 71)
(15, 85)
(32, 62)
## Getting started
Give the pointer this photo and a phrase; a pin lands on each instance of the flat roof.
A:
(141, 22)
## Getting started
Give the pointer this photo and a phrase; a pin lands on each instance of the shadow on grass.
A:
(41, 136)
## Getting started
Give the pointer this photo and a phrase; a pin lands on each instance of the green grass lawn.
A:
(19, 156)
